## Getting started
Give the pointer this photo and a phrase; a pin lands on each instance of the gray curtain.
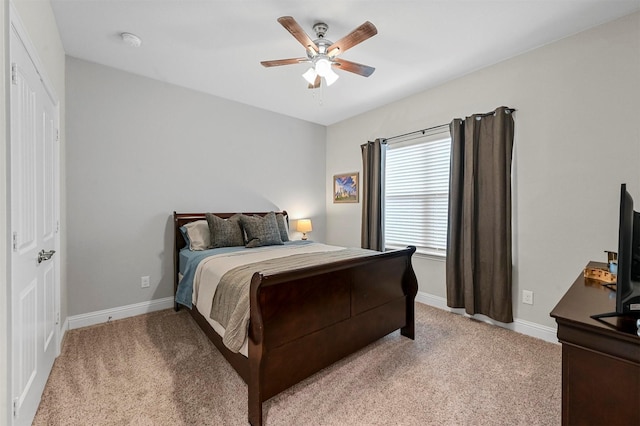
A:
(372, 236)
(478, 262)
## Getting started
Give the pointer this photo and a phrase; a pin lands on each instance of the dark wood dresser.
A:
(600, 358)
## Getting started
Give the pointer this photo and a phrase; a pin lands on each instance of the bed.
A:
(305, 319)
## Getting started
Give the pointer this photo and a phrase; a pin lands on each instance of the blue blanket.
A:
(189, 261)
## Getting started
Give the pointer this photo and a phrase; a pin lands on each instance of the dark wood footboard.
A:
(305, 320)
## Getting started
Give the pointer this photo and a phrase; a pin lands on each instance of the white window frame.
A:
(416, 171)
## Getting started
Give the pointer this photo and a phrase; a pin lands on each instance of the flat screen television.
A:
(628, 280)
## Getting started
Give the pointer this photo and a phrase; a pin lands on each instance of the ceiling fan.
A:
(322, 53)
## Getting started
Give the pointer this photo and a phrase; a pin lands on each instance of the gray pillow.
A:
(283, 227)
(225, 232)
(261, 231)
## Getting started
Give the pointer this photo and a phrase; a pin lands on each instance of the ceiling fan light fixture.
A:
(310, 75)
(331, 77)
(323, 67)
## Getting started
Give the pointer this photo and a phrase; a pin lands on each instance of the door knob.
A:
(45, 255)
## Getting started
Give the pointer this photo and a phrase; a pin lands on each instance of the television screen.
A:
(628, 280)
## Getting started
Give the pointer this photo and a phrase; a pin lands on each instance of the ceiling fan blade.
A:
(354, 67)
(360, 34)
(316, 83)
(278, 62)
(296, 30)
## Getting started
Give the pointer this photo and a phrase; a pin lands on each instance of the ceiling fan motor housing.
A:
(323, 44)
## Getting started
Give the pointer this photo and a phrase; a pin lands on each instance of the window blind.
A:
(416, 193)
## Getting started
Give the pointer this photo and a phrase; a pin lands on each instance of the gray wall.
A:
(138, 149)
(577, 137)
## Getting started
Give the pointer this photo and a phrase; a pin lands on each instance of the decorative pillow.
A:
(183, 232)
(261, 231)
(198, 236)
(225, 232)
(283, 227)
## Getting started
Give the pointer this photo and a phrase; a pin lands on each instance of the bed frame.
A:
(304, 320)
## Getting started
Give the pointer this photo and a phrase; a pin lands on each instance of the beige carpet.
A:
(160, 369)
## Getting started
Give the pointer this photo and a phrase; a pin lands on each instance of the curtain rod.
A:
(423, 131)
(417, 132)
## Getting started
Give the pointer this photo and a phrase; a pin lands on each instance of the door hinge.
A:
(57, 318)
(57, 135)
(15, 241)
(15, 407)
(14, 73)
(57, 226)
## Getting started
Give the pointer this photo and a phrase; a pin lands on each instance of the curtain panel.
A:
(372, 234)
(479, 256)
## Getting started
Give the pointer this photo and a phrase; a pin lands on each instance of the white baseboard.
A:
(529, 328)
(93, 318)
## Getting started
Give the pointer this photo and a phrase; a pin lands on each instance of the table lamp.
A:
(304, 226)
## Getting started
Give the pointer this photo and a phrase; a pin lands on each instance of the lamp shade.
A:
(304, 225)
(310, 76)
(330, 77)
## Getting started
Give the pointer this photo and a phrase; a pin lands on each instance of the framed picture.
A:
(345, 188)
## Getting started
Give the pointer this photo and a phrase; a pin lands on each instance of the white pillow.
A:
(199, 235)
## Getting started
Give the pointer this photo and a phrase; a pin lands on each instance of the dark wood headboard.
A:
(180, 219)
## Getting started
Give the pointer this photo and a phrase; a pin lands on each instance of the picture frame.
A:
(346, 188)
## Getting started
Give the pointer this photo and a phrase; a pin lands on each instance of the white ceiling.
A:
(215, 46)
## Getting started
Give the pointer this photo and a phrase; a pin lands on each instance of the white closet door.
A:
(34, 198)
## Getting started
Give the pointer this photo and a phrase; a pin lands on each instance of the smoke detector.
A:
(131, 39)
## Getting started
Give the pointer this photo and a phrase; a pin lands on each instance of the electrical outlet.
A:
(144, 281)
(527, 297)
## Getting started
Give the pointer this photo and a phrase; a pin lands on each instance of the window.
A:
(416, 192)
